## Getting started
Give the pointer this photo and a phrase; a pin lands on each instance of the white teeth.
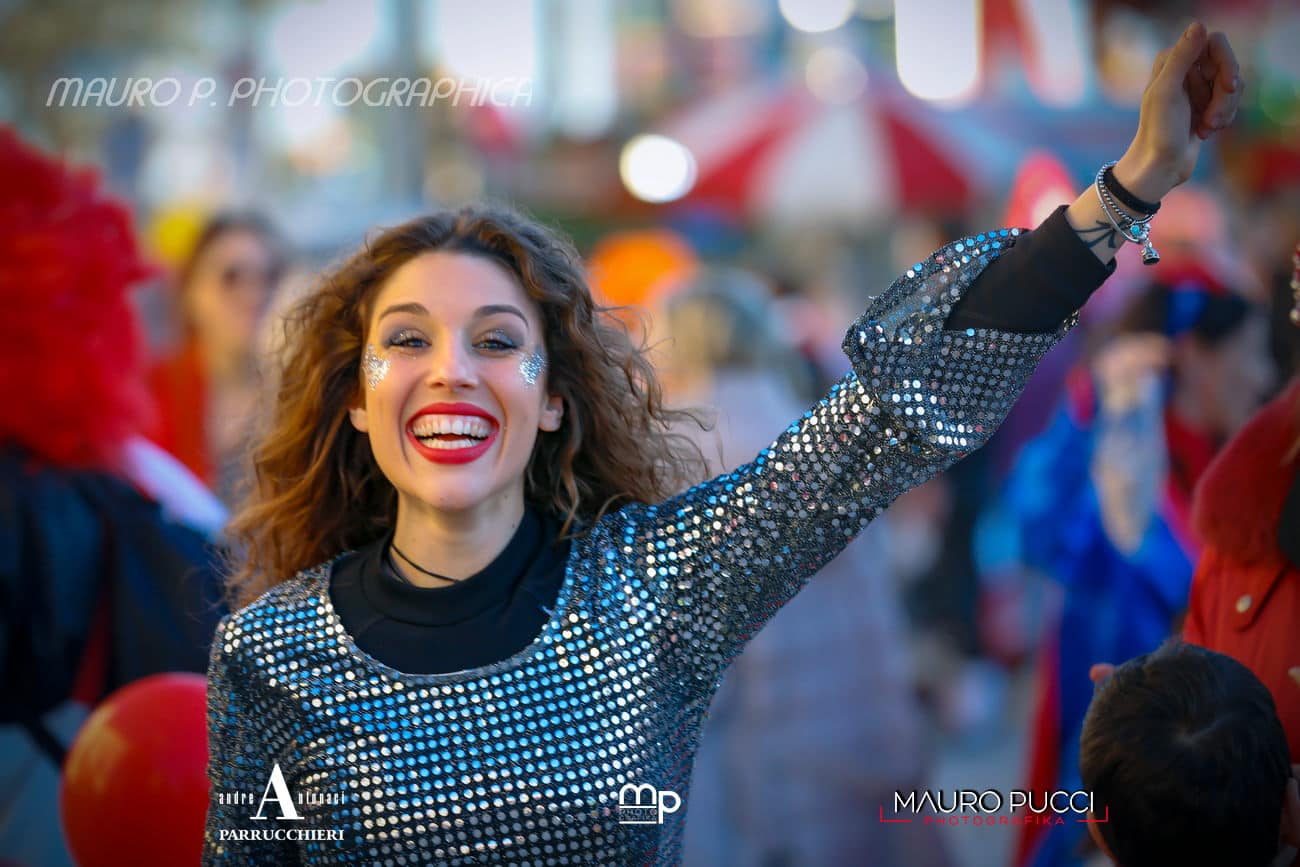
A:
(429, 425)
(449, 444)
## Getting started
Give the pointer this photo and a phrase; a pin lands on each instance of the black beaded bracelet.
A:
(1125, 197)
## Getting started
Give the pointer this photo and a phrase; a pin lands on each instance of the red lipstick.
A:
(459, 455)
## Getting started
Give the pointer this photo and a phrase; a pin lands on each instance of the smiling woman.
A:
(476, 314)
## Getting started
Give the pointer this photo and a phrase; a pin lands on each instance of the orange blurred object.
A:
(637, 268)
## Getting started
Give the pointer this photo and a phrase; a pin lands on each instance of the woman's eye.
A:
(416, 340)
(498, 342)
(406, 339)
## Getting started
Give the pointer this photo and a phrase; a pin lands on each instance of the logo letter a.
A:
(282, 796)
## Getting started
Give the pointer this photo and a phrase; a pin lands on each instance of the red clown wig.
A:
(71, 381)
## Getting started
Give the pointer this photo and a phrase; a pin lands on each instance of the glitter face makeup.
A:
(375, 367)
(531, 368)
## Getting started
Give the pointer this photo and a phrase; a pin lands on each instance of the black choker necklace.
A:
(416, 566)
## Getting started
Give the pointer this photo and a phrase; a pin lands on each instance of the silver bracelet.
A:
(1136, 231)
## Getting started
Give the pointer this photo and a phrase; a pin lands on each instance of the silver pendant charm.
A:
(1141, 234)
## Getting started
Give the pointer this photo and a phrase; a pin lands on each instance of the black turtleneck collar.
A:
(492, 585)
(482, 619)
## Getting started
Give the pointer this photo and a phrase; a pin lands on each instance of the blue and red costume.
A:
(1115, 605)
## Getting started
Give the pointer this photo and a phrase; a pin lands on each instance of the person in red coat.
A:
(206, 386)
(1245, 598)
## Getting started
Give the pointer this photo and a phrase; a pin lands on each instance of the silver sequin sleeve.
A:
(712, 565)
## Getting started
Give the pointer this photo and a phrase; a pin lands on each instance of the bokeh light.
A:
(655, 168)
(816, 16)
(835, 75)
(938, 48)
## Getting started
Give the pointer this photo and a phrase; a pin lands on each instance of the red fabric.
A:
(1190, 455)
(180, 391)
(1191, 274)
(1249, 478)
(729, 183)
(1044, 739)
(1081, 395)
(1271, 165)
(73, 355)
(88, 687)
(926, 178)
(1245, 599)
(1005, 39)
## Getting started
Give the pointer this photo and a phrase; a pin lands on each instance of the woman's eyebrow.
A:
(486, 310)
(489, 309)
(408, 307)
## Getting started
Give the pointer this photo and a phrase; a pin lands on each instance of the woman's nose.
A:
(451, 367)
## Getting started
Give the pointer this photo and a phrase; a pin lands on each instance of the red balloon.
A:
(135, 786)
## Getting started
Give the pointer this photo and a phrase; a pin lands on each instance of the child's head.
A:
(1186, 758)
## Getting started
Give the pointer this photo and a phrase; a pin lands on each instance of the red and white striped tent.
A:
(779, 154)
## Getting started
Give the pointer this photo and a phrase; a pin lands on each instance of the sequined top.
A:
(578, 748)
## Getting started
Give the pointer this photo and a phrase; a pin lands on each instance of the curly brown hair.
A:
(314, 489)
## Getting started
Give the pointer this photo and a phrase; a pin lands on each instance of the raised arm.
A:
(1194, 90)
(706, 569)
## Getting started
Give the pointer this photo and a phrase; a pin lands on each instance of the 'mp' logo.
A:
(645, 805)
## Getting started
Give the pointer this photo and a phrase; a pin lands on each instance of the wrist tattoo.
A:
(1098, 233)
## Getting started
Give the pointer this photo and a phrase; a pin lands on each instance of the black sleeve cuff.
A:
(1046, 276)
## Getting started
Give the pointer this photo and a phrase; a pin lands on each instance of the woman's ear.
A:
(552, 413)
(357, 415)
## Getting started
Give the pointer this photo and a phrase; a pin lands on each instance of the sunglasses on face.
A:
(236, 274)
